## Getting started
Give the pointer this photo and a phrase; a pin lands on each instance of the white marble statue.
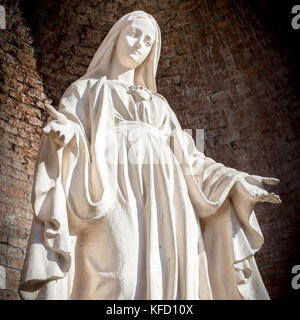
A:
(125, 206)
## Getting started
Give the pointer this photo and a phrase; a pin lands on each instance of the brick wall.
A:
(226, 67)
(22, 101)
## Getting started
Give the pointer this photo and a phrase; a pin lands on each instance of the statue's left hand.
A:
(252, 187)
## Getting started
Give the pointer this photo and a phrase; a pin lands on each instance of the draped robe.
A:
(130, 209)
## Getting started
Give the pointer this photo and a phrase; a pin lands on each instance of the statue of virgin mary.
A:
(125, 205)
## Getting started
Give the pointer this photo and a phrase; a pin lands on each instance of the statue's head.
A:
(135, 41)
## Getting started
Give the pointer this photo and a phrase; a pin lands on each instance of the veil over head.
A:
(145, 73)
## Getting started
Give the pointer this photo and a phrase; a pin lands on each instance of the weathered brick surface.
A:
(226, 67)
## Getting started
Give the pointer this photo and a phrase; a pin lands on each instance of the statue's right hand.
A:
(59, 128)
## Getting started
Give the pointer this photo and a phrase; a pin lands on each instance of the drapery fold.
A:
(231, 231)
(79, 185)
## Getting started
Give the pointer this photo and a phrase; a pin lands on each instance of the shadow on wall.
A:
(56, 43)
(278, 17)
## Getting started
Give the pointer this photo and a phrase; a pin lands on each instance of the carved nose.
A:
(138, 45)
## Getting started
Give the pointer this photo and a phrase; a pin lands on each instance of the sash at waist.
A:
(131, 124)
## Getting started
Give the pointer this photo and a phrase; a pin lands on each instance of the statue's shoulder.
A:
(159, 97)
(78, 86)
(83, 87)
(163, 101)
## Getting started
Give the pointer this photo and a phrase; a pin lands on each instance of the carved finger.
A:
(271, 197)
(270, 181)
(263, 196)
(255, 180)
(47, 129)
(275, 198)
(62, 137)
(54, 113)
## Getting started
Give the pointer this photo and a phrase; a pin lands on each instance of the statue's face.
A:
(134, 43)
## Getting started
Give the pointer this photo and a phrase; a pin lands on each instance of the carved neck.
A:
(122, 73)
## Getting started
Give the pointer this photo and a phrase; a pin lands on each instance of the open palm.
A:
(253, 187)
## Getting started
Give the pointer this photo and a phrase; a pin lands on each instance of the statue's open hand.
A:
(253, 187)
(59, 128)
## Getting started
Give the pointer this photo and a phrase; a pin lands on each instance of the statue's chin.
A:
(134, 60)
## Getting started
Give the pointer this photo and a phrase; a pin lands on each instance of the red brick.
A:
(16, 263)
(13, 274)
(13, 192)
(10, 171)
(21, 125)
(21, 222)
(3, 238)
(9, 295)
(34, 83)
(3, 260)
(3, 249)
(30, 72)
(7, 127)
(14, 252)
(27, 152)
(27, 59)
(36, 94)
(35, 121)
(17, 242)
(12, 284)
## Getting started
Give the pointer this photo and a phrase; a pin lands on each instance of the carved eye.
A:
(148, 43)
(132, 32)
